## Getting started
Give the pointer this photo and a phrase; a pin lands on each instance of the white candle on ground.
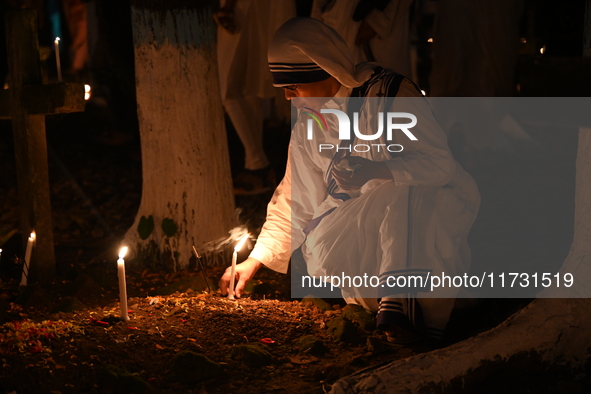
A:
(232, 276)
(122, 285)
(233, 269)
(58, 64)
(27, 262)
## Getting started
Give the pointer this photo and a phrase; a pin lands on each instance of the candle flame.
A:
(87, 91)
(57, 38)
(32, 236)
(122, 252)
(241, 242)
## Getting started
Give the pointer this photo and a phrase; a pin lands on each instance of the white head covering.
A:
(305, 50)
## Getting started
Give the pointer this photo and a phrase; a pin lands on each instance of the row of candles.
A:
(123, 287)
(121, 271)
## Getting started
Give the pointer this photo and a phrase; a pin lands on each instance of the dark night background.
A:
(95, 160)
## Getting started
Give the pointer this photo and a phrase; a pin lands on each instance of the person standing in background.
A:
(245, 28)
(76, 15)
(375, 30)
(475, 48)
(475, 53)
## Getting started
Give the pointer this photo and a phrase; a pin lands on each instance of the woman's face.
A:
(312, 94)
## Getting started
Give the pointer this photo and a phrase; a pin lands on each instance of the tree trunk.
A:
(187, 196)
(549, 331)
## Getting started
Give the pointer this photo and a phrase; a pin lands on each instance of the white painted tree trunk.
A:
(549, 330)
(186, 168)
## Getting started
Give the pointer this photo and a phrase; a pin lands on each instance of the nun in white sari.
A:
(397, 214)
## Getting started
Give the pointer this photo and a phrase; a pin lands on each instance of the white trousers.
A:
(246, 114)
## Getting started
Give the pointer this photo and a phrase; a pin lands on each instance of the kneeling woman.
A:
(389, 206)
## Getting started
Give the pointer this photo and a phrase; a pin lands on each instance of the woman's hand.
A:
(244, 272)
(365, 170)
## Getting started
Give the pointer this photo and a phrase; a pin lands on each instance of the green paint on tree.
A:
(149, 255)
(169, 227)
(145, 227)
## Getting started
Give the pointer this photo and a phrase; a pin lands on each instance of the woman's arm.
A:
(288, 213)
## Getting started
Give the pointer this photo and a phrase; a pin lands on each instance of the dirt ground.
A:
(78, 351)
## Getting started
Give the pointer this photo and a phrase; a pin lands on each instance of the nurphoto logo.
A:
(345, 129)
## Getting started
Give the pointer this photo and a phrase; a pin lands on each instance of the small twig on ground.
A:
(202, 268)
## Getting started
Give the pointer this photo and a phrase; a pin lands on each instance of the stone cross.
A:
(26, 102)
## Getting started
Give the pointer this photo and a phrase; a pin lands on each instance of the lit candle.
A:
(233, 269)
(56, 44)
(87, 90)
(122, 285)
(27, 261)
